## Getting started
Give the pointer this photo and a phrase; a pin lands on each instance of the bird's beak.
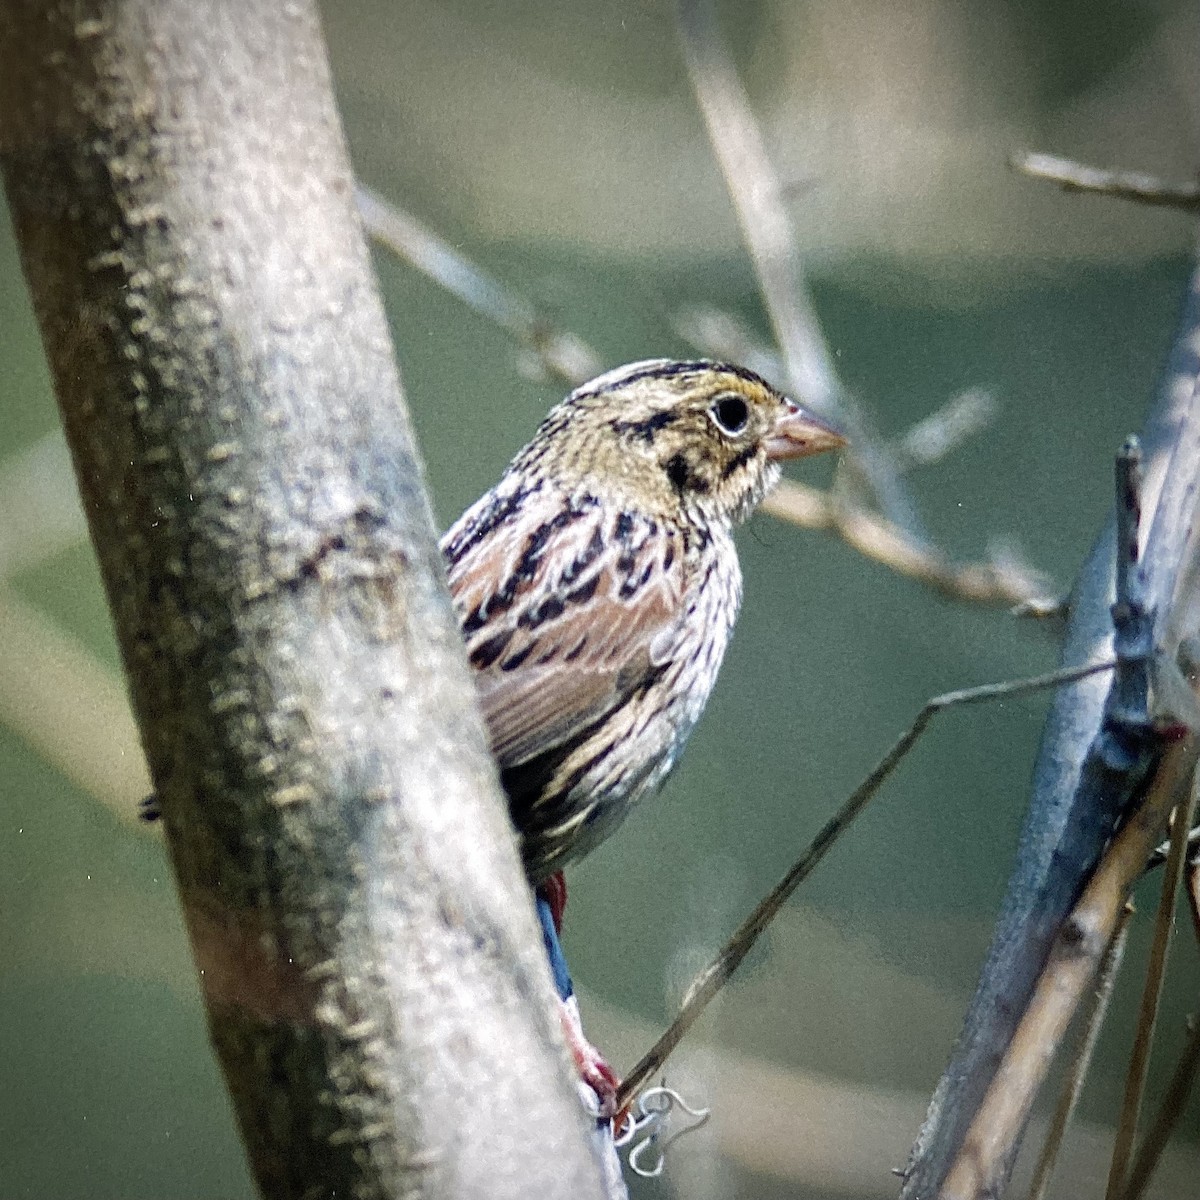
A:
(798, 433)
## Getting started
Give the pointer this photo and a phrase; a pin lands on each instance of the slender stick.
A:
(710, 981)
(1093, 1022)
(560, 354)
(1004, 584)
(758, 198)
(1167, 1116)
(1156, 969)
(1141, 188)
(985, 1150)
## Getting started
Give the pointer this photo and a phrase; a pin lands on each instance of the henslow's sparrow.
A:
(597, 584)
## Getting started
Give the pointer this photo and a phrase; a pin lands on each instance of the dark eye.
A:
(730, 414)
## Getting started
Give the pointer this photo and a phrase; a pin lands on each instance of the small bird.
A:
(597, 585)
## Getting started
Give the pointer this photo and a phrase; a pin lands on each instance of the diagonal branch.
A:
(1136, 186)
(713, 978)
(182, 199)
(757, 196)
(981, 1165)
(1083, 781)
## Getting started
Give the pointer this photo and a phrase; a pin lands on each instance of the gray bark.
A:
(1070, 815)
(371, 967)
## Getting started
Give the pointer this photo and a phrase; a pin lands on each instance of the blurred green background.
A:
(558, 144)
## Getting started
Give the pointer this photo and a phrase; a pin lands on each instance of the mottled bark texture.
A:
(373, 977)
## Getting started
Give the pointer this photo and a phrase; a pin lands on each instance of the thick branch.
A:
(1075, 797)
(368, 954)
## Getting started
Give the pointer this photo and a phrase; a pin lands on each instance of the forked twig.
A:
(719, 334)
(1103, 754)
(567, 358)
(758, 198)
(875, 537)
(710, 981)
(1126, 746)
(1071, 966)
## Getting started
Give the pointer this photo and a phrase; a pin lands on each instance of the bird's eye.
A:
(730, 414)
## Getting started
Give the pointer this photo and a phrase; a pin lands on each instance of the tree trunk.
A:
(372, 972)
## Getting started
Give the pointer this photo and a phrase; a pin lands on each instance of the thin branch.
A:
(1156, 970)
(1096, 753)
(720, 334)
(560, 354)
(1074, 957)
(994, 583)
(1136, 186)
(709, 982)
(1174, 1102)
(938, 435)
(1081, 1059)
(1126, 750)
(1005, 580)
(758, 198)
(567, 358)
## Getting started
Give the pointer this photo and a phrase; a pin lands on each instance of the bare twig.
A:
(561, 355)
(570, 360)
(1071, 966)
(1097, 752)
(1193, 896)
(1156, 969)
(1141, 188)
(1092, 1023)
(710, 981)
(1121, 758)
(943, 431)
(1167, 1117)
(758, 198)
(998, 583)
(720, 334)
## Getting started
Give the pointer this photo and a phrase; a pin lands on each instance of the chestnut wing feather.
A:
(568, 608)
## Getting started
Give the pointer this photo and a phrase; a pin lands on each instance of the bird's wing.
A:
(568, 609)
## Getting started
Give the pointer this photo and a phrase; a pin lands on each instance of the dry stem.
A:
(1156, 969)
(1093, 1022)
(1070, 968)
(1136, 186)
(876, 538)
(709, 982)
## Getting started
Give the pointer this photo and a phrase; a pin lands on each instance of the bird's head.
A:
(693, 440)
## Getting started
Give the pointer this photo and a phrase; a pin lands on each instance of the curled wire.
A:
(647, 1128)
